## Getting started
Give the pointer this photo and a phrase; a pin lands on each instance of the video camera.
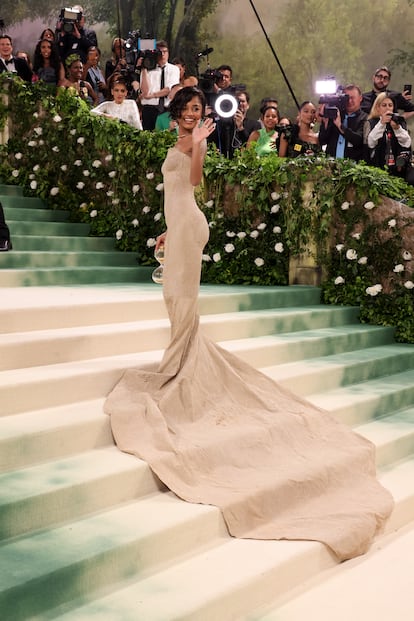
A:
(332, 96)
(137, 47)
(68, 18)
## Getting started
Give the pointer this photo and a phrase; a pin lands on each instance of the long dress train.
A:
(217, 431)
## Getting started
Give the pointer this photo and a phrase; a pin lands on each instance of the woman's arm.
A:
(254, 137)
(283, 145)
(198, 151)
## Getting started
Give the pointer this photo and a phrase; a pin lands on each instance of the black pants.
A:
(4, 229)
(149, 116)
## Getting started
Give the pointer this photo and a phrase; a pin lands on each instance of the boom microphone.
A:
(205, 52)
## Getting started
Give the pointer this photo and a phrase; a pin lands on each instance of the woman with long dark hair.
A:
(47, 65)
(217, 431)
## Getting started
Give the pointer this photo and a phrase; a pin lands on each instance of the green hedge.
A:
(260, 211)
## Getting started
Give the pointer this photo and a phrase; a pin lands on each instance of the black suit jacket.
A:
(353, 134)
(22, 69)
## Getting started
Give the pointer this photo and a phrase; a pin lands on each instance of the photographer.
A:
(342, 131)
(244, 125)
(387, 139)
(156, 85)
(72, 37)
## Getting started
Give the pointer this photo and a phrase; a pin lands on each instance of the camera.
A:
(403, 160)
(333, 103)
(137, 47)
(397, 118)
(69, 17)
(208, 79)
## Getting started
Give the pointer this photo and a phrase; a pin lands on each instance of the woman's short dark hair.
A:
(182, 98)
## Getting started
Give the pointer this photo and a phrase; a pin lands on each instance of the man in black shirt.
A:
(380, 83)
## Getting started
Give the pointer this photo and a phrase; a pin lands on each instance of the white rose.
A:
(241, 235)
(398, 268)
(135, 188)
(86, 173)
(57, 118)
(150, 175)
(259, 262)
(209, 204)
(254, 234)
(339, 247)
(279, 247)
(55, 149)
(277, 229)
(110, 193)
(369, 205)
(261, 226)
(409, 284)
(64, 167)
(108, 158)
(112, 174)
(392, 223)
(72, 132)
(99, 185)
(159, 187)
(339, 280)
(36, 167)
(274, 208)
(345, 205)
(146, 209)
(80, 185)
(54, 191)
(363, 260)
(151, 242)
(15, 173)
(351, 254)
(77, 163)
(407, 256)
(115, 201)
(275, 196)
(33, 185)
(18, 156)
(32, 143)
(206, 257)
(38, 131)
(216, 257)
(230, 234)
(80, 140)
(96, 163)
(356, 235)
(93, 213)
(135, 222)
(157, 216)
(119, 234)
(229, 248)
(373, 291)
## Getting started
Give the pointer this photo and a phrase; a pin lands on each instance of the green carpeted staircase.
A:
(49, 250)
(89, 533)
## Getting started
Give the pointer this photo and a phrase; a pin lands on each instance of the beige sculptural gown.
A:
(217, 431)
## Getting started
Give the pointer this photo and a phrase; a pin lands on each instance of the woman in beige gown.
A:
(217, 431)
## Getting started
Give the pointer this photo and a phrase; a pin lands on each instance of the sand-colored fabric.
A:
(217, 431)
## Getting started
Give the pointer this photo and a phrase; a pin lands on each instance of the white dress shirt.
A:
(171, 78)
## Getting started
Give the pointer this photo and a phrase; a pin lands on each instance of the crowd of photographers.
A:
(138, 82)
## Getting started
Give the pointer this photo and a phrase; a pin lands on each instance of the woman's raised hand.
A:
(204, 130)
